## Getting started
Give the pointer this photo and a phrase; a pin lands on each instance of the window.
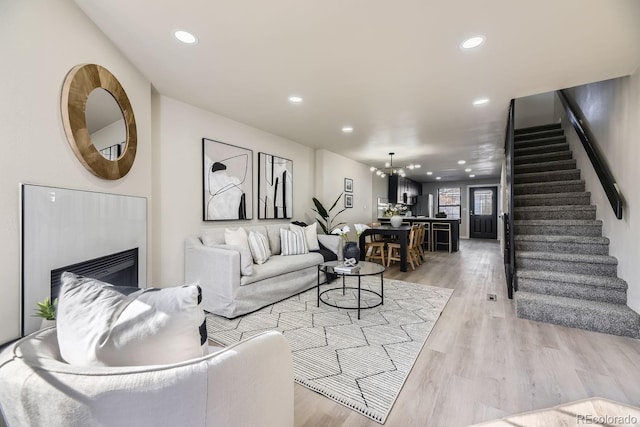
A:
(449, 202)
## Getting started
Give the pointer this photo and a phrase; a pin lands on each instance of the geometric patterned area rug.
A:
(361, 364)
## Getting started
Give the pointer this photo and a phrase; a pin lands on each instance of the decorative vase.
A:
(351, 250)
(396, 221)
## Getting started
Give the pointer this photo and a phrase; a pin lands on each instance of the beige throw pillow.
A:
(293, 242)
(259, 245)
(311, 235)
(240, 240)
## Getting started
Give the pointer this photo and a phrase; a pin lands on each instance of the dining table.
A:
(387, 230)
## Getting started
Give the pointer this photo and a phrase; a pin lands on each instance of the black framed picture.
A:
(275, 187)
(348, 200)
(348, 185)
(227, 181)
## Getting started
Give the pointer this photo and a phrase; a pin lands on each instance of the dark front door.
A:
(483, 219)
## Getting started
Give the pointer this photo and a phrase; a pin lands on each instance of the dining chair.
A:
(374, 246)
(394, 249)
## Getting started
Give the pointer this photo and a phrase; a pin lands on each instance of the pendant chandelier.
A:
(390, 170)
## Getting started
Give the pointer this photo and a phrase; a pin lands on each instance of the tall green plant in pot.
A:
(326, 218)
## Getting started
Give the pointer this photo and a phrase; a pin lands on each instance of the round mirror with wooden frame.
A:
(79, 83)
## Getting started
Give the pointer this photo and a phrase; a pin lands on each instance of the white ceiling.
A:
(391, 69)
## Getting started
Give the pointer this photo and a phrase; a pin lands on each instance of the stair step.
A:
(616, 319)
(538, 128)
(571, 186)
(555, 212)
(545, 166)
(541, 135)
(556, 175)
(557, 227)
(542, 158)
(553, 199)
(595, 288)
(562, 244)
(551, 148)
(597, 265)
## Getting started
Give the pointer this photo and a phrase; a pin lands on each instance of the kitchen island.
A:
(442, 237)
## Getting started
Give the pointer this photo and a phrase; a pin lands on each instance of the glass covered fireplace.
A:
(119, 269)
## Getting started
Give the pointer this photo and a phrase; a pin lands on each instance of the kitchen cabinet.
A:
(403, 190)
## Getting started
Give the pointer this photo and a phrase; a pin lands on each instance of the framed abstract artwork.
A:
(348, 185)
(227, 181)
(275, 187)
(348, 200)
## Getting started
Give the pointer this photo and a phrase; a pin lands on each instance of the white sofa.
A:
(247, 384)
(226, 292)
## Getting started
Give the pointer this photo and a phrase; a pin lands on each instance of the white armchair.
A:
(249, 383)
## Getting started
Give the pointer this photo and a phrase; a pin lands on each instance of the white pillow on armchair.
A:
(99, 324)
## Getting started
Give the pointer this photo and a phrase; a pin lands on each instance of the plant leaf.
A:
(320, 209)
(335, 203)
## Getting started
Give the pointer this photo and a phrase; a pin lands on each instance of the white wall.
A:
(534, 110)
(612, 110)
(331, 170)
(40, 41)
(177, 177)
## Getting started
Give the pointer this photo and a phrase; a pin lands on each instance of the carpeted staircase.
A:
(564, 272)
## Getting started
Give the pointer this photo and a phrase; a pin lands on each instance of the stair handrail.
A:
(507, 217)
(590, 145)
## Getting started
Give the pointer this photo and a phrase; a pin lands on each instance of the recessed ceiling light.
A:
(295, 99)
(481, 101)
(185, 37)
(472, 42)
(347, 129)
(467, 170)
(462, 162)
(429, 173)
(372, 168)
(472, 175)
(438, 178)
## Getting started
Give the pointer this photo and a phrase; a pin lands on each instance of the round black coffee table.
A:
(366, 269)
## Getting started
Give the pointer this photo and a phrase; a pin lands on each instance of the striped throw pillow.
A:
(293, 242)
(259, 246)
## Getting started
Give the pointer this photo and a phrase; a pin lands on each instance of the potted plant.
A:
(441, 214)
(326, 219)
(47, 310)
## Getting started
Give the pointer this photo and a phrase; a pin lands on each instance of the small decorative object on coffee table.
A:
(364, 268)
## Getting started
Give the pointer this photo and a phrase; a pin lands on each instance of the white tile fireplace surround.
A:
(61, 227)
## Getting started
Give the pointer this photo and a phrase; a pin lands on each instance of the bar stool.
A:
(425, 242)
(443, 227)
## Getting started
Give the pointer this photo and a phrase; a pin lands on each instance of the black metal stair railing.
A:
(593, 152)
(507, 217)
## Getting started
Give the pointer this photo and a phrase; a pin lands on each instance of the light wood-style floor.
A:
(482, 363)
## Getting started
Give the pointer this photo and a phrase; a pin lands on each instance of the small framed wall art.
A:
(275, 187)
(348, 200)
(348, 185)
(227, 181)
